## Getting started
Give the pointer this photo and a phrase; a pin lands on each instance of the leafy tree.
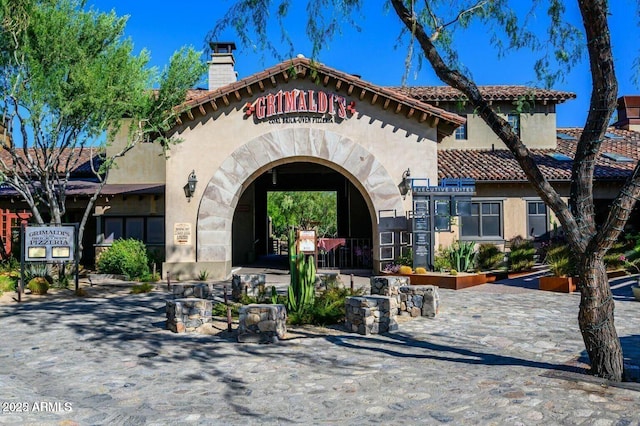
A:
(303, 209)
(432, 25)
(68, 77)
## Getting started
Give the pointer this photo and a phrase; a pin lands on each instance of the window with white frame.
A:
(537, 219)
(461, 132)
(514, 121)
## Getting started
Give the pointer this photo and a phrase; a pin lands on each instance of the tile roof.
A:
(500, 165)
(83, 165)
(305, 68)
(492, 93)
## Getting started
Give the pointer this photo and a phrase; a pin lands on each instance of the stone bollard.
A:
(371, 314)
(182, 291)
(419, 300)
(388, 285)
(187, 314)
(251, 284)
(261, 323)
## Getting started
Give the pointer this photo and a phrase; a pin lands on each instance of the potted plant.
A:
(562, 268)
(633, 263)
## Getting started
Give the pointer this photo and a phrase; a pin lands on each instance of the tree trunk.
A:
(596, 319)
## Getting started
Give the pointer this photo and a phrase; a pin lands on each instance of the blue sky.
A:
(162, 27)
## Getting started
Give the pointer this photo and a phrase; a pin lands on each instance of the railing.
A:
(356, 253)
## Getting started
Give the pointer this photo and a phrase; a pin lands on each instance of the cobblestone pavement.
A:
(498, 354)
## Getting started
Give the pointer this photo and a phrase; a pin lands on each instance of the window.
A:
(536, 218)
(514, 121)
(484, 220)
(461, 132)
(443, 215)
(150, 230)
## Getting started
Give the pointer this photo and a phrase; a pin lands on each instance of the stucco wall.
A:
(537, 128)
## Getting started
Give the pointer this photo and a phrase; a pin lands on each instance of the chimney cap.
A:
(222, 46)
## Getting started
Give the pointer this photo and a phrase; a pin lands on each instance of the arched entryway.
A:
(246, 164)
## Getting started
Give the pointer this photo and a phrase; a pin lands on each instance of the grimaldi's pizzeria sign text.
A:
(300, 106)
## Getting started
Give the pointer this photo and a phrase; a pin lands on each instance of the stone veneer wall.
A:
(371, 314)
(249, 284)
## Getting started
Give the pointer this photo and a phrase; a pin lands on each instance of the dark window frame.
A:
(480, 223)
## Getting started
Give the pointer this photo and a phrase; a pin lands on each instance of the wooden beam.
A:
(202, 110)
(398, 107)
(237, 93)
(261, 85)
(423, 117)
(362, 94)
(285, 75)
(386, 103)
(434, 121)
(178, 119)
(410, 113)
(225, 100)
(273, 81)
(326, 80)
(249, 91)
(213, 105)
(338, 84)
(374, 98)
(189, 114)
(350, 89)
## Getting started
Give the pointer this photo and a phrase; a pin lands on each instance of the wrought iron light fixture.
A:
(190, 187)
(405, 185)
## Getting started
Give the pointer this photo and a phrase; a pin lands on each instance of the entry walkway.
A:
(489, 357)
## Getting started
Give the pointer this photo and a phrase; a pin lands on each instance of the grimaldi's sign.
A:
(300, 106)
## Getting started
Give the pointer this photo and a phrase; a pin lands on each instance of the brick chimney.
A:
(629, 113)
(221, 65)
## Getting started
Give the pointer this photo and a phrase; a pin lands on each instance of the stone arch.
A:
(219, 200)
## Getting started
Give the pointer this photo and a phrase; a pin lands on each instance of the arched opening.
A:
(253, 234)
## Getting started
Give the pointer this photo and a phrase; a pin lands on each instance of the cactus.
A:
(405, 270)
(302, 268)
(421, 270)
(462, 255)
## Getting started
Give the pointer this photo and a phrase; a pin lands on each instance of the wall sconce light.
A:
(405, 185)
(190, 187)
(274, 177)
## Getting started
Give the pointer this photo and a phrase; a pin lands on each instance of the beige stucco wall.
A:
(537, 128)
(145, 163)
(228, 151)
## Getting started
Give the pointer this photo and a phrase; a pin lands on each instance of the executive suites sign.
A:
(49, 243)
(293, 106)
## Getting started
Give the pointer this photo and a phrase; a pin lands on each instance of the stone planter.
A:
(558, 284)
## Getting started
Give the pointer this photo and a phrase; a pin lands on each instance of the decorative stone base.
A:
(182, 291)
(371, 314)
(186, 315)
(262, 323)
(251, 285)
(419, 300)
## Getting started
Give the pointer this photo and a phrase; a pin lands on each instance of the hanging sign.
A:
(300, 106)
(307, 242)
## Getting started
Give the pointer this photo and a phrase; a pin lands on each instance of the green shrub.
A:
(442, 260)
(489, 257)
(150, 278)
(462, 255)
(125, 256)
(34, 270)
(38, 285)
(142, 288)
(406, 259)
(560, 261)
(521, 255)
(220, 309)
(203, 275)
(10, 265)
(7, 283)
(328, 308)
